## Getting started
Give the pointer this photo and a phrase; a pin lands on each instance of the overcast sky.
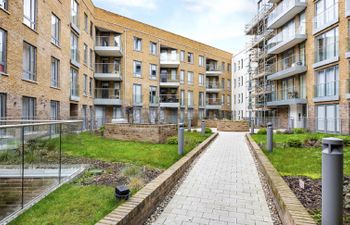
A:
(219, 23)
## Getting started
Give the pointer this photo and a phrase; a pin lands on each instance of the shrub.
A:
(208, 131)
(287, 132)
(262, 131)
(172, 140)
(312, 140)
(131, 171)
(299, 131)
(346, 141)
(294, 143)
(136, 183)
(194, 131)
(279, 132)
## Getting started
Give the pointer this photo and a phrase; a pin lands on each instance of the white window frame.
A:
(55, 72)
(85, 85)
(55, 30)
(137, 94)
(190, 76)
(3, 51)
(135, 65)
(182, 56)
(30, 13)
(137, 44)
(75, 13)
(201, 79)
(29, 65)
(201, 61)
(3, 105)
(153, 68)
(74, 40)
(182, 76)
(153, 48)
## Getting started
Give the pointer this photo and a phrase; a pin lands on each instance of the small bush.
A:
(287, 132)
(346, 141)
(299, 131)
(136, 183)
(194, 131)
(172, 140)
(294, 143)
(312, 140)
(131, 171)
(262, 131)
(208, 131)
(279, 132)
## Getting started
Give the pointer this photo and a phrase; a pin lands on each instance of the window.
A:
(153, 95)
(327, 45)
(182, 98)
(55, 29)
(327, 82)
(182, 76)
(137, 69)
(28, 108)
(229, 67)
(182, 56)
(326, 11)
(190, 77)
(55, 71)
(222, 99)
(85, 84)
(153, 71)
(137, 94)
(228, 99)
(222, 83)
(29, 13)
(190, 98)
(201, 99)
(75, 13)
(201, 60)
(74, 83)
(3, 51)
(91, 58)
(328, 120)
(153, 48)
(3, 4)
(90, 86)
(201, 79)
(229, 85)
(137, 44)
(3, 105)
(86, 23)
(85, 53)
(91, 29)
(54, 110)
(190, 58)
(29, 62)
(74, 47)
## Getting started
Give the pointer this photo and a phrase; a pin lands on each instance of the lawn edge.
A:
(289, 208)
(144, 202)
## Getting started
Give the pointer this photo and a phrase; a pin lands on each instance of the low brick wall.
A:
(290, 210)
(143, 203)
(154, 133)
(211, 123)
(233, 126)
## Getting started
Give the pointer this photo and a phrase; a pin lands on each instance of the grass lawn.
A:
(74, 203)
(299, 161)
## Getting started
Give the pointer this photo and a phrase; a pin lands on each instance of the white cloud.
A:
(145, 4)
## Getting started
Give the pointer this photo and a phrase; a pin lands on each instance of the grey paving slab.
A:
(223, 187)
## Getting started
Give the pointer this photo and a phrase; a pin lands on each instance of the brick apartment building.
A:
(62, 59)
(301, 49)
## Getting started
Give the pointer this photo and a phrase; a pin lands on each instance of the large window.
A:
(201, 99)
(182, 76)
(182, 56)
(86, 23)
(54, 110)
(29, 13)
(182, 98)
(137, 69)
(327, 45)
(85, 89)
(190, 58)
(55, 29)
(74, 83)
(153, 95)
(74, 47)
(3, 51)
(201, 60)
(326, 11)
(3, 4)
(201, 79)
(75, 13)
(28, 108)
(55, 71)
(153, 48)
(137, 94)
(153, 71)
(90, 86)
(190, 77)
(327, 82)
(2, 105)
(328, 118)
(190, 98)
(29, 62)
(137, 44)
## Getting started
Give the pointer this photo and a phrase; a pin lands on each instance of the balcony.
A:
(108, 72)
(169, 60)
(107, 96)
(75, 57)
(281, 42)
(286, 97)
(325, 92)
(109, 46)
(326, 18)
(284, 12)
(169, 101)
(213, 87)
(213, 70)
(169, 80)
(213, 103)
(74, 93)
(287, 67)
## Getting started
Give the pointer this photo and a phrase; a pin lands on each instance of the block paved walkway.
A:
(223, 187)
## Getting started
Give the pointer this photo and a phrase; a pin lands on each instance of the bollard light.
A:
(122, 192)
(269, 137)
(180, 139)
(332, 181)
(189, 124)
(252, 126)
(203, 127)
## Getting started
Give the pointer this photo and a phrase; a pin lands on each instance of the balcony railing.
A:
(326, 17)
(168, 77)
(326, 89)
(287, 62)
(283, 36)
(329, 51)
(169, 57)
(213, 101)
(213, 85)
(108, 68)
(109, 41)
(285, 94)
(107, 93)
(169, 98)
(214, 67)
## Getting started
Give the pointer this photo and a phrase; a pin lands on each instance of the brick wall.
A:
(233, 126)
(140, 132)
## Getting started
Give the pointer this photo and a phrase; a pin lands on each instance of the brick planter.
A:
(153, 133)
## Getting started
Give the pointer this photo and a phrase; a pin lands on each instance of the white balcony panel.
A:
(297, 69)
(213, 73)
(169, 104)
(287, 102)
(213, 107)
(287, 44)
(107, 101)
(110, 51)
(169, 84)
(213, 90)
(107, 77)
(75, 98)
(288, 13)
